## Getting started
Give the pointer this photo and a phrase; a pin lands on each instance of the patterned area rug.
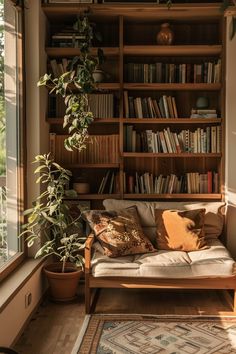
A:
(114, 334)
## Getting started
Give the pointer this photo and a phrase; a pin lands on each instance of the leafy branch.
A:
(79, 77)
(49, 218)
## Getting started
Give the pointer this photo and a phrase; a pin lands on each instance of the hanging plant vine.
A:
(79, 77)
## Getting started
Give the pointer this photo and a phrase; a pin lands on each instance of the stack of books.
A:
(109, 183)
(203, 113)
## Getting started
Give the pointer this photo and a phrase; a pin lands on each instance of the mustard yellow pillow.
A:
(119, 232)
(180, 230)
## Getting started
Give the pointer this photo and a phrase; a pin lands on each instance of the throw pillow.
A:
(119, 232)
(180, 230)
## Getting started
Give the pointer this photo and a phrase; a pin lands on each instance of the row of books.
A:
(100, 149)
(201, 140)
(148, 107)
(109, 183)
(102, 105)
(207, 72)
(192, 182)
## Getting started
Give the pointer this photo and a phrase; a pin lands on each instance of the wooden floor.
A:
(55, 327)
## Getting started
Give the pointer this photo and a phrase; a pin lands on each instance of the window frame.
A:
(11, 264)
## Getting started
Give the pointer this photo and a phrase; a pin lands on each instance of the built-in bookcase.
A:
(149, 139)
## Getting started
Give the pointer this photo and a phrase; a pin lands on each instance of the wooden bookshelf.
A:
(212, 196)
(167, 155)
(199, 38)
(172, 87)
(171, 120)
(71, 52)
(175, 50)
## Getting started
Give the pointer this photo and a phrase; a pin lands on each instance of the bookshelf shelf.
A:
(95, 196)
(163, 155)
(175, 50)
(210, 11)
(112, 86)
(90, 165)
(212, 196)
(55, 121)
(71, 52)
(171, 121)
(199, 47)
(172, 87)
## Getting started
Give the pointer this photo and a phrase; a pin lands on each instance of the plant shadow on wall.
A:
(79, 77)
(51, 225)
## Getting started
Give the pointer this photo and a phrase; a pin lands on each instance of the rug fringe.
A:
(81, 335)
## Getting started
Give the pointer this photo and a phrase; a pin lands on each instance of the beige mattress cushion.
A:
(212, 262)
(214, 218)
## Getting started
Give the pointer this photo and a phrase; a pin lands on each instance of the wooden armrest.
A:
(87, 253)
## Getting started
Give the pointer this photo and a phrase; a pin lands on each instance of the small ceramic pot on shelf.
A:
(165, 36)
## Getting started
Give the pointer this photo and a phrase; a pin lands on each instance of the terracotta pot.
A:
(62, 286)
(165, 36)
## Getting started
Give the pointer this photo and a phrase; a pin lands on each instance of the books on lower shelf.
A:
(100, 149)
(205, 72)
(148, 107)
(191, 183)
(201, 140)
(109, 183)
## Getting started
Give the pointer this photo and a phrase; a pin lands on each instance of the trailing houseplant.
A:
(51, 225)
(79, 76)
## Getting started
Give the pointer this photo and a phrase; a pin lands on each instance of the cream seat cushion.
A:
(212, 262)
(213, 224)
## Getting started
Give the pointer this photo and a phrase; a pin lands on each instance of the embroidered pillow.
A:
(119, 232)
(180, 230)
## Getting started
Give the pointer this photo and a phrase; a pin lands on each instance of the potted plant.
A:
(80, 76)
(57, 232)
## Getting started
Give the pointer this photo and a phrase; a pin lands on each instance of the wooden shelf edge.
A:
(90, 165)
(181, 155)
(180, 50)
(174, 86)
(58, 120)
(171, 120)
(61, 51)
(94, 197)
(214, 196)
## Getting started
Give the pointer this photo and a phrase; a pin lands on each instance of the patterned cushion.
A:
(119, 232)
(180, 230)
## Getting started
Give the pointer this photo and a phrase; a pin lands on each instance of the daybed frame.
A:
(92, 282)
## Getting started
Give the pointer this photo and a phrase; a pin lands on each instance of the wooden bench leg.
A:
(234, 301)
(87, 296)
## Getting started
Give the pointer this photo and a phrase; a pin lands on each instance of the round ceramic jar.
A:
(165, 36)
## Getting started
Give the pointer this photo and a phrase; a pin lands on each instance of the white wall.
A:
(230, 140)
(36, 66)
(14, 315)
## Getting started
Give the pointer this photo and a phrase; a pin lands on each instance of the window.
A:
(11, 120)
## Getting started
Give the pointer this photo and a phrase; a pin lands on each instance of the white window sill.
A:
(16, 280)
